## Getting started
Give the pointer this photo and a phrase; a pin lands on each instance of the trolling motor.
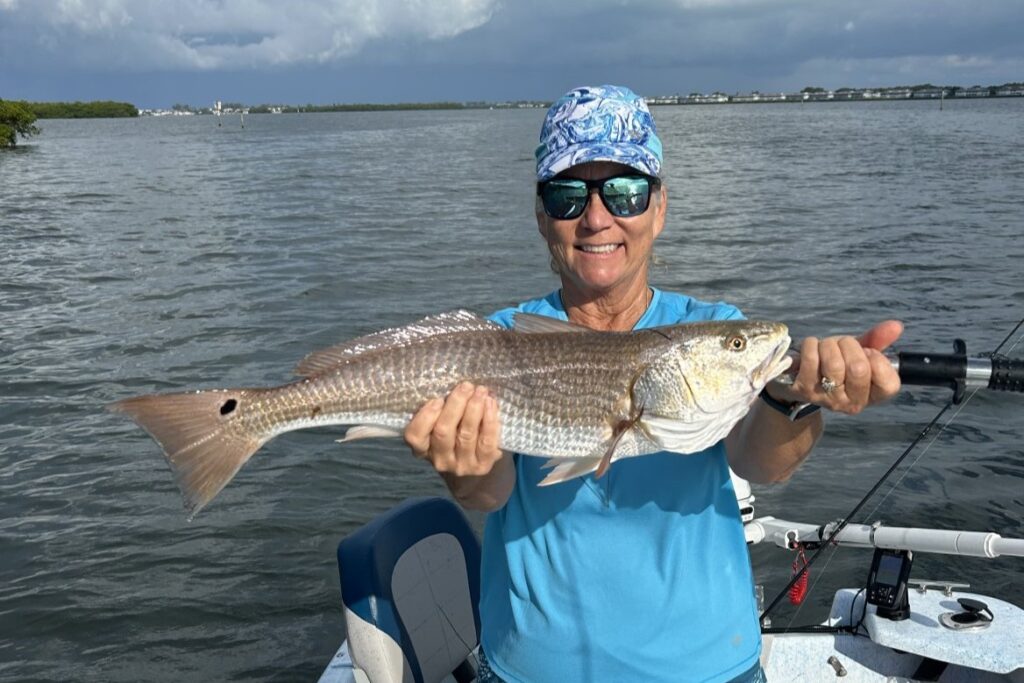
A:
(958, 372)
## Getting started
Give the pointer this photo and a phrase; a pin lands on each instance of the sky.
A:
(156, 53)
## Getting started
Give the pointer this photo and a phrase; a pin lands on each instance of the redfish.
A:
(579, 397)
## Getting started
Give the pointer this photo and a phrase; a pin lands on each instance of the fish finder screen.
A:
(889, 570)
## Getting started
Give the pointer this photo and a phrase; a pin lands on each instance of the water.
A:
(159, 254)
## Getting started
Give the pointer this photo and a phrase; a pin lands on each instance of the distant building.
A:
(846, 94)
(1011, 91)
(973, 92)
(818, 96)
(928, 93)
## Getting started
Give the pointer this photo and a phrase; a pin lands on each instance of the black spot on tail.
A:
(228, 406)
(316, 411)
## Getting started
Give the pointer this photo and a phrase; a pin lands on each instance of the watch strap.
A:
(792, 411)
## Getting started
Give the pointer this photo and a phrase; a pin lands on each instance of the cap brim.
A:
(634, 156)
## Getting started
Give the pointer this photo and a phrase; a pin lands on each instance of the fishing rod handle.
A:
(958, 371)
(954, 371)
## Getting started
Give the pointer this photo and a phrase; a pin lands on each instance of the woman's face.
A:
(597, 253)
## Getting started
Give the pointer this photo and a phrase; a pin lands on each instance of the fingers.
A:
(442, 441)
(489, 448)
(417, 432)
(459, 434)
(831, 364)
(469, 426)
(808, 375)
(857, 378)
(885, 379)
(882, 335)
(854, 368)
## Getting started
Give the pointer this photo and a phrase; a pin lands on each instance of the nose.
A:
(596, 216)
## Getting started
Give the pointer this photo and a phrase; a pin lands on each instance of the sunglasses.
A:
(624, 196)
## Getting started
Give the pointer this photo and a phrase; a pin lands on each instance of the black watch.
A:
(793, 411)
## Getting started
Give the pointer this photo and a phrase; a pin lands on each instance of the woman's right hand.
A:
(459, 436)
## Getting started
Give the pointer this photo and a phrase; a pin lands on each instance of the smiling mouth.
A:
(597, 248)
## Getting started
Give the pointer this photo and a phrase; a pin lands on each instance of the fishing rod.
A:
(959, 372)
(956, 371)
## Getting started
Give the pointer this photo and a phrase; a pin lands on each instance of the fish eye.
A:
(736, 343)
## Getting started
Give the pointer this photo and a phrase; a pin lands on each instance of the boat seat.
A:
(410, 583)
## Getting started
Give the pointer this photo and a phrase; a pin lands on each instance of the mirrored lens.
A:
(623, 196)
(626, 195)
(564, 199)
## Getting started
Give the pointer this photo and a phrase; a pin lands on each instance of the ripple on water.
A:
(190, 255)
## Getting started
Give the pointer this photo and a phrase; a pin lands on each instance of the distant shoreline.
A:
(107, 109)
(919, 92)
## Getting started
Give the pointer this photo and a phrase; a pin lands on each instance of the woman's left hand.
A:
(844, 373)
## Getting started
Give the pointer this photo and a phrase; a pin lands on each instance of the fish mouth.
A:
(774, 365)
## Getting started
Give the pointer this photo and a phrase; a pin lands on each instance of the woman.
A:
(641, 574)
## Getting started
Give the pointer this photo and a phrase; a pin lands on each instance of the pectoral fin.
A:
(569, 468)
(606, 460)
(621, 428)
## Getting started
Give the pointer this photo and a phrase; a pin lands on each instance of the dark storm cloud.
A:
(392, 50)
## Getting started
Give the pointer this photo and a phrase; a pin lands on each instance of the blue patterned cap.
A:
(602, 123)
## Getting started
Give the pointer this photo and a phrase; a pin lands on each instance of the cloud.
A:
(227, 34)
(945, 69)
(968, 62)
(386, 50)
(717, 4)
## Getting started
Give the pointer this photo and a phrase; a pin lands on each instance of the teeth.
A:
(599, 249)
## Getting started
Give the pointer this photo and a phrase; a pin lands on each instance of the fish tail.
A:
(199, 437)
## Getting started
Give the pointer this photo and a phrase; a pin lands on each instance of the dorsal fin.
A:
(532, 323)
(431, 326)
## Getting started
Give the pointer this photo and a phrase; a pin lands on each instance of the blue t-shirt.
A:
(641, 575)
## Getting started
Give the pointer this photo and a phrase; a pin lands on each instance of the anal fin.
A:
(565, 469)
(369, 432)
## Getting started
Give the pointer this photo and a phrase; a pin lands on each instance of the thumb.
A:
(882, 335)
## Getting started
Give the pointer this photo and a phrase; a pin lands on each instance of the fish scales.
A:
(562, 392)
(539, 381)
